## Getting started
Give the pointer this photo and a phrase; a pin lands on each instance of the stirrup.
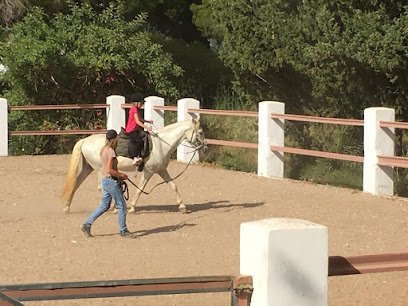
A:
(137, 161)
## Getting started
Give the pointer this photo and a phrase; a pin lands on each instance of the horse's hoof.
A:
(184, 210)
(66, 210)
(115, 211)
(132, 210)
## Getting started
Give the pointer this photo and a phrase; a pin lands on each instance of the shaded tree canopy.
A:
(171, 17)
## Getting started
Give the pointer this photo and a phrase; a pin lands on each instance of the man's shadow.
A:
(163, 229)
(156, 230)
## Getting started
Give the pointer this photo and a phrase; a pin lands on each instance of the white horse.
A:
(85, 158)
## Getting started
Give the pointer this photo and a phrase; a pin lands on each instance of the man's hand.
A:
(123, 176)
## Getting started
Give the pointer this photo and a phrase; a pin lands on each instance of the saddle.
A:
(124, 142)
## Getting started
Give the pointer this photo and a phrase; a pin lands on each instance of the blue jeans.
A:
(110, 190)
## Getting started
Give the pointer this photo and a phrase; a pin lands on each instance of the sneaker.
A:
(86, 228)
(127, 234)
(137, 161)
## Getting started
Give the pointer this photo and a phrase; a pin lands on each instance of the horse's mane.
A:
(173, 126)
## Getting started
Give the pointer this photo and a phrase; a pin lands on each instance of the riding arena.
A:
(42, 244)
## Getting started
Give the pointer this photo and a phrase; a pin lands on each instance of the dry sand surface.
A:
(41, 244)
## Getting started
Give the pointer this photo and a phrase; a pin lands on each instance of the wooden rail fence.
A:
(270, 144)
(240, 287)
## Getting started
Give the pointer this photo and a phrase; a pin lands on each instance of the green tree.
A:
(82, 57)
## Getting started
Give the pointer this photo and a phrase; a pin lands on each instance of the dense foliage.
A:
(332, 57)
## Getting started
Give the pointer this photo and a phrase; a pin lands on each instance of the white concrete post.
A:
(288, 261)
(151, 114)
(270, 132)
(115, 114)
(3, 127)
(184, 153)
(378, 180)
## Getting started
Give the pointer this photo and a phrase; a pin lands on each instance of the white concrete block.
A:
(270, 132)
(115, 114)
(3, 127)
(378, 180)
(184, 151)
(151, 114)
(288, 260)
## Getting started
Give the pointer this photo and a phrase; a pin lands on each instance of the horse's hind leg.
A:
(166, 177)
(100, 178)
(146, 176)
(85, 171)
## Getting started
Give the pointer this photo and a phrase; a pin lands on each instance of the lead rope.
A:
(125, 190)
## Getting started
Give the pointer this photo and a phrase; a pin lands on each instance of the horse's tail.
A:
(72, 175)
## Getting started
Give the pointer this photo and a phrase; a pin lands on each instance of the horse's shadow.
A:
(192, 208)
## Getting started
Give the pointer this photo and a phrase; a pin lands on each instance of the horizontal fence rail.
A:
(363, 264)
(57, 132)
(239, 286)
(315, 153)
(236, 144)
(223, 112)
(394, 124)
(58, 107)
(166, 108)
(393, 161)
(340, 121)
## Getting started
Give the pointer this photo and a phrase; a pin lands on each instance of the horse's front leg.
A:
(146, 176)
(166, 177)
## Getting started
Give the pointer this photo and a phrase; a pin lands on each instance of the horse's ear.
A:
(196, 119)
(196, 122)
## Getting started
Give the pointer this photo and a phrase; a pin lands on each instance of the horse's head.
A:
(196, 135)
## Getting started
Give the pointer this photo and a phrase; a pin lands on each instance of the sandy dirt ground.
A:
(41, 244)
